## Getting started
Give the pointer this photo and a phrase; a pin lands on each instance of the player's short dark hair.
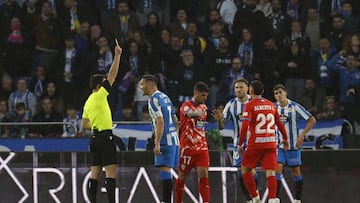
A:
(279, 86)
(257, 86)
(150, 78)
(96, 80)
(201, 87)
(241, 80)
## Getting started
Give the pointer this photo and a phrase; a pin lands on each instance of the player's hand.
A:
(239, 149)
(286, 144)
(216, 114)
(157, 149)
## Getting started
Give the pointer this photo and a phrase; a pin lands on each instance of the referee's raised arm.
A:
(115, 65)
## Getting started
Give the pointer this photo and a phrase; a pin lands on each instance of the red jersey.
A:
(261, 115)
(192, 129)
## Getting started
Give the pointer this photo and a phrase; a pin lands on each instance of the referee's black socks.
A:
(92, 190)
(167, 190)
(110, 188)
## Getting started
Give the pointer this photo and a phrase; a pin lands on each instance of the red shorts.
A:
(266, 156)
(190, 159)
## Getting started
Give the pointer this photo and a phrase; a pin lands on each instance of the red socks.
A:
(204, 189)
(250, 183)
(272, 185)
(179, 191)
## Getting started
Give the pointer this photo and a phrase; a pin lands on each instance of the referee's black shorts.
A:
(103, 148)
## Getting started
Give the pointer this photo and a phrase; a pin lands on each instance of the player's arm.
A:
(282, 129)
(194, 114)
(115, 65)
(158, 133)
(243, 132)
(176, 120)
(86, 124)
(310, 124)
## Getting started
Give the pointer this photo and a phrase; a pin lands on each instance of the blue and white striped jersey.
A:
(290, 115)
(233, 111)
(161, 105)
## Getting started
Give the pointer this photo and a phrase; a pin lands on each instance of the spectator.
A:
(57, 99)
(251, 18)
(147, 7)
(218, 63)
(189, 71)
(297, 34)
(227, 10)
(144, 45)
(296, 69)
(293, 9)
(351, 45)
(151, 29)
(22, 94)
(312, 98)
(21, 114)
(18, 48)
(214, 15)
(47, 34)
(349, 81)
(352, 22)
(269, 66)
(337, 32)
(158, 59)
(247, 50)
(321, 61)
(6, 86)
(280, 22)
(46, 114)
(180, 25)
(215, 34)
(237, 71)
(69, 73)
(105, 56)
(313, 27)
(8, 11)
(127, 20)
(265, 7)
(193, 41)
(82, 39)
(331, 110)
(73, 117)
(38, 81)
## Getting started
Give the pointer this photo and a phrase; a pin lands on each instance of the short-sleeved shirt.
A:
(192, 129)
(263, 116)
(233, 110)
(97, 109)
(160, 105)
(290, 115)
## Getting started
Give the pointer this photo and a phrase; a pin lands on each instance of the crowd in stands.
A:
(49, 49)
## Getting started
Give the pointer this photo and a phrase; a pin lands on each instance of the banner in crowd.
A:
(324, 135)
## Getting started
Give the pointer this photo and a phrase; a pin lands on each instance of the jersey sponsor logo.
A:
(200, 124)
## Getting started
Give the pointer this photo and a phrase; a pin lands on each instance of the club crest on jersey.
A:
(183, 166)
(284, 118)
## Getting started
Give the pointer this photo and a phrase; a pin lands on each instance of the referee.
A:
(97, 117)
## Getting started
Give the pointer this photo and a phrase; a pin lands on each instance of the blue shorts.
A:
(169, 156)
(290, 157)
(237, 157)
